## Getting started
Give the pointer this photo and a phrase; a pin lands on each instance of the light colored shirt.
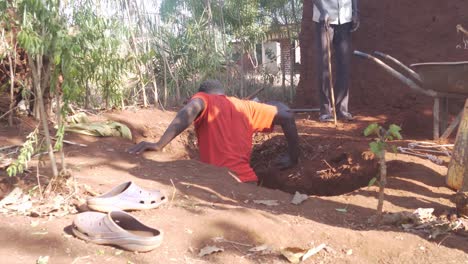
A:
(339, 11)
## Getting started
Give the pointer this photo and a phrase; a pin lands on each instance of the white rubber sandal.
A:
(126, 197)
(116, 228)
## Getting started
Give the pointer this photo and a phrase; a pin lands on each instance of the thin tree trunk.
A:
(294, 14)
(283, 63)
(224, 28)
(242, 74)
(36, 71)
(58, 98)
(155, 90)
(145, 100)
(291, 70)
(174, 77)
(165, 83)
(382, 183)
(12, 63)
(241, 95)
(107, 94)
(283, 76)
(87, 95)
(293, 50)
(211, 25)
(45, 85)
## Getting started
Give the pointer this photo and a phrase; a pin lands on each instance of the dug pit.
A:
(327, 167)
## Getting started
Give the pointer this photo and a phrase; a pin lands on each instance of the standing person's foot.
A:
(346, 116)
(326, 118)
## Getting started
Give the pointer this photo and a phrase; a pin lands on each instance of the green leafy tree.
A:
(65, 54)
(41, 31)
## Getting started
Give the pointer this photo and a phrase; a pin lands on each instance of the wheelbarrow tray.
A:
(445, 77)
(440, 80)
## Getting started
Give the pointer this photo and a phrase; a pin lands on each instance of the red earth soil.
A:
(205, 202)
(334, 168)
(412, 32)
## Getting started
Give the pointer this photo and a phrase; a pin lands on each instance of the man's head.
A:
(211, 87)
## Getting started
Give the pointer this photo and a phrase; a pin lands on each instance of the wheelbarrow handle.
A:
(399, 63)
(410, 83)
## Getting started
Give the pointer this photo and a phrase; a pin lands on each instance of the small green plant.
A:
(379, 147)
(26, 152)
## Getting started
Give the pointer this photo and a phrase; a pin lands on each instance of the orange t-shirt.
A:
(225, 128)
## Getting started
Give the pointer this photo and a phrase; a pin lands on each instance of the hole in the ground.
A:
(327, 167)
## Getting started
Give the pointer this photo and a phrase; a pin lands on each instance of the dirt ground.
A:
(334, 169)
(205, 202)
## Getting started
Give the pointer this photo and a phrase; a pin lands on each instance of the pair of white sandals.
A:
(111, 225)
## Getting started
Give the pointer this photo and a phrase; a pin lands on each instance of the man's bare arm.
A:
(182, 121)
(286, 120)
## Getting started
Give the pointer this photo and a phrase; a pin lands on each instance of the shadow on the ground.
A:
(220, 191)
(207, 183)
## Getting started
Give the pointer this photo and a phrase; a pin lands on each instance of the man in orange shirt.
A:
(224, 127)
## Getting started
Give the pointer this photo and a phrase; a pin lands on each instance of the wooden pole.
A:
(452, 126)
(457, 174)
(332, 93)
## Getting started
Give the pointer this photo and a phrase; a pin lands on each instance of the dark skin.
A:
(189, 113)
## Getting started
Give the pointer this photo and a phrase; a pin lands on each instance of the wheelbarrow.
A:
(440, 80)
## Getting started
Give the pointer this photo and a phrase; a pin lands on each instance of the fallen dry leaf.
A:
(296, 255)
(299, 198)
(313, 251)
(208, 250)
(267, 202)
(341, 210)
(293, 254)
(42, 260)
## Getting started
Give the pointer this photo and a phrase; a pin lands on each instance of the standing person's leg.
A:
(343, 49)
(323, 76)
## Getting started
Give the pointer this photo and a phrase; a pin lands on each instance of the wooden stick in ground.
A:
(332, 93)
(452, 126)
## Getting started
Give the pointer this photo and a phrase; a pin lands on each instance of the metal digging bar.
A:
(410, 83)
